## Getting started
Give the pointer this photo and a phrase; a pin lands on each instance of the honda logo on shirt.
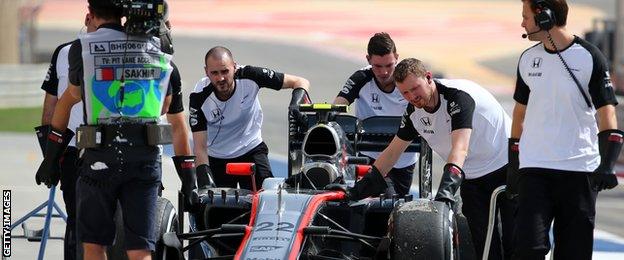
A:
(426, 121)
(537, 62)
(374, 97)
(216, 113)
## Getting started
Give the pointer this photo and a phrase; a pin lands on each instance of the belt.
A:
(91, 136)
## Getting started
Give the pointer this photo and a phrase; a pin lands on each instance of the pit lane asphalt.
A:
(20, 156)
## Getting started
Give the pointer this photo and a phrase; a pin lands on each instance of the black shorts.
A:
(258, 155)
(134, 185)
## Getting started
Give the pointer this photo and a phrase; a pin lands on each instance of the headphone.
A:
(545, 18)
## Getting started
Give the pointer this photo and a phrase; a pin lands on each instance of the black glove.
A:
(49, 172)
(372, 184)
(299, 96)
(609, 145)
(204, 177)
(42, 132)
(452, 178)
(390, 188)
(512, 168)
(185, 167)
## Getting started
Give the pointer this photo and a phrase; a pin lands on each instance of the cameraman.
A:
(123, 82)
(54, 85)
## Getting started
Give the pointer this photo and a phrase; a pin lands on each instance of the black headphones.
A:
(545, 18)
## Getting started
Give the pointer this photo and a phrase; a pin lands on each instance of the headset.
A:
(545, 19)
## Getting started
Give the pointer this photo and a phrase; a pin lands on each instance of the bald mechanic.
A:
(226, 116)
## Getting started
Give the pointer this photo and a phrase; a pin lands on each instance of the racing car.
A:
(308, 214)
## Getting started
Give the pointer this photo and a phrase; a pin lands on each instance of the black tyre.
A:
(423, 229)
(466, 247)
(166, 221)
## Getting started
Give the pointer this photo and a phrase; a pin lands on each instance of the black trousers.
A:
(69, 176)
(565, 197)
(258, 155)
(476, 194)
(401, 178)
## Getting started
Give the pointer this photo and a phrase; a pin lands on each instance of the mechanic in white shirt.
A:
(463, 123)
(226, 116)
(566, 156)
(374, 92)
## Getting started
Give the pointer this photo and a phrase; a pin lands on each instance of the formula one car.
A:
(307, 215)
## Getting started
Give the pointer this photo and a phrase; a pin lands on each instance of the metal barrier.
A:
(492, 214)
(20, 85)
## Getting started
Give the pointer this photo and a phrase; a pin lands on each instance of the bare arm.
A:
(165, 106)
(200, 148)
(181, 144)
(70, 97)
(291, 81)
(517, 122)
(390, 155)
(341, 101)
(606, 118)
(49, 104)
(460, 139)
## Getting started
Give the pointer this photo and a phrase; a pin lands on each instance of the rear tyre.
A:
(166, 221)
(466, 247)
(423, 229)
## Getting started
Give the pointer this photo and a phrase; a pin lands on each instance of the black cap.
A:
(104, 4)
(165, 11)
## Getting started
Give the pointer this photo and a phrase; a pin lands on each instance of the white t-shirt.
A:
(559, 129)
(56, 82)
(463, 104)
(233, 126)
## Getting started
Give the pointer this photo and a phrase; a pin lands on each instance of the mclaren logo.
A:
(263, 248)
(426, 121)
(268, 72)
(537, 62)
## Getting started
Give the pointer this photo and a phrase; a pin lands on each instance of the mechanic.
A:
(566, 155)
(54, 85)
(124, 163)
(463, 123)
(226, 117)
(374, 88)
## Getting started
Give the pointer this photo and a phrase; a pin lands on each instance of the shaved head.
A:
(220, 69)
(218, 52)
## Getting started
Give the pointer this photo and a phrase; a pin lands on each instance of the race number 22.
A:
(281, 226)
